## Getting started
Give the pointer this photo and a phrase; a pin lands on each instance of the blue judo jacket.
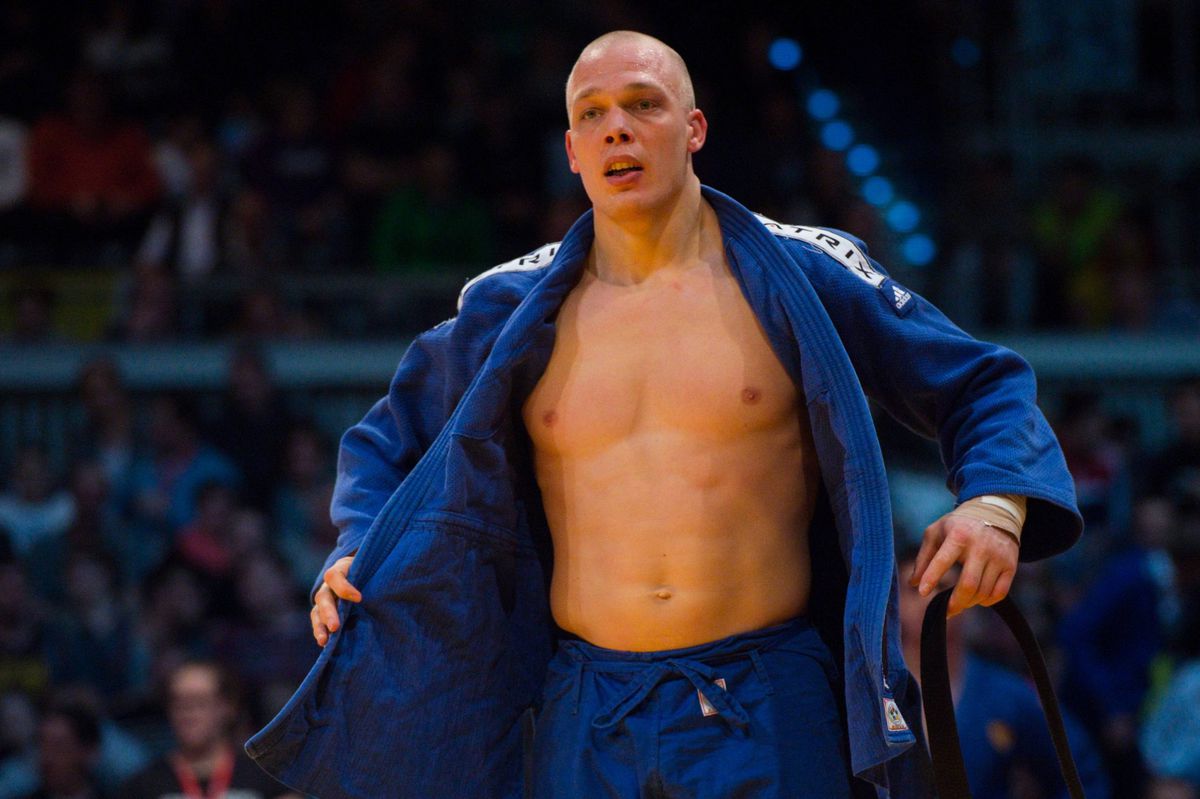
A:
(424, 689)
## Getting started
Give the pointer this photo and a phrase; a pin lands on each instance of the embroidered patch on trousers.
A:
(895, 720)
(705, 706)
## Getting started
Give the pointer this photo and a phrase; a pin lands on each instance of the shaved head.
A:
(651, 49)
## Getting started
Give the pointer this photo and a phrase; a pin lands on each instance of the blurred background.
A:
(221, 221)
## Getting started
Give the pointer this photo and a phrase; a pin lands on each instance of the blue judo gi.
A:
(423, 690)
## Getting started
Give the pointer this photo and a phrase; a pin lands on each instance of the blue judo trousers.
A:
(751, 716)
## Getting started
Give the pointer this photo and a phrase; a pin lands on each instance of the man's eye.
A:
(590, 113)
(645, 105)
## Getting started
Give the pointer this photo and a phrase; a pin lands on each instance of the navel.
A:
(663, 593)
(549, 417)
(751, 395)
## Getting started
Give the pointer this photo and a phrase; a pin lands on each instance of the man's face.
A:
(63, 759)
(198, 713)
(631, 135)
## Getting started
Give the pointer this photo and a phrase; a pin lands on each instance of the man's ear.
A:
(697, 130)
(571, 160)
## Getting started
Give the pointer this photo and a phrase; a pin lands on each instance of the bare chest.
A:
(682, 354)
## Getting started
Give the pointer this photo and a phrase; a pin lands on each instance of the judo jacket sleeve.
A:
(379, 452)
(977, 399)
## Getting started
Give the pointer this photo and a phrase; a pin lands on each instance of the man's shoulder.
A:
(815, 247)
(510, 280)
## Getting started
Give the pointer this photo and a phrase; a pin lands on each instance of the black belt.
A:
(950, 774)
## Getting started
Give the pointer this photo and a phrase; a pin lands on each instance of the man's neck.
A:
(628, 250)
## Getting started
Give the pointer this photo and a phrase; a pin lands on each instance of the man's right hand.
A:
(324, 613)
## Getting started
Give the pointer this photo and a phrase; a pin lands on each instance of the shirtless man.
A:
(677, 467)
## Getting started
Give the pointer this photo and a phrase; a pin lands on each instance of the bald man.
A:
(670, 394)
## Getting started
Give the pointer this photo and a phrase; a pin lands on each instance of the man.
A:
(664, 412)
(68, 748)
(202, 708)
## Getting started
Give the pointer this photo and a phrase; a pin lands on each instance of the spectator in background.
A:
(107, 434)
(248, 247)
(1128, 277)
(33, 305)
(1113, 634)
(33, 508)
(27, 75)
(160, 496)
(305, 530)
(295, 170)
(1170, 735)
(986, 280)
(123, 43)
(267, 643)
(120, 755)
(91, 177)
(203, 543)
(13, 186)
(383, 134)
(150, 305)
(94, 640)
(177, 602)
(23, 664)
(68, 748)
(252, 424)
(188, 237)
(500, 165)
(248, 532)
(1170, 739)
(1071, 230)
(1185, 556)
(1103, 483)
(94, 529)
(202, 706)
(1002, 730)
(18, 745)
(263, 314)
(183, 132)
(1168, 788)
(1175, 469)
(432, 224)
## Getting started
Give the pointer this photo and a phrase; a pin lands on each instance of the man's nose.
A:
(618, 129)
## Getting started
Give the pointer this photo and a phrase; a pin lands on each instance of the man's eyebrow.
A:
(635, 86)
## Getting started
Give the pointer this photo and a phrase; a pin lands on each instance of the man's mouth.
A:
(621, 168)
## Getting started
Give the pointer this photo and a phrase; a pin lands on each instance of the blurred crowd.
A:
(169, 536)
(171, 145)
(203, 158)
(178, 530)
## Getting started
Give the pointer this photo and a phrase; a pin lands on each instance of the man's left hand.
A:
(988, 557)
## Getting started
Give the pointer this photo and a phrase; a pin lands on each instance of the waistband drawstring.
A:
(702, 676)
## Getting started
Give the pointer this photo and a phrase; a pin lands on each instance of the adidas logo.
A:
(901, 297)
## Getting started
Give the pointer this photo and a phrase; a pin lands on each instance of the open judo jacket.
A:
(424, 689)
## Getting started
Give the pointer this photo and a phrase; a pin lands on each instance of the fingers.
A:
(987, 582)
(320, 628)
(929, 545)
(1003, 584)
(948, 554)
(967, 589)
(324, 613)
(335, 579)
